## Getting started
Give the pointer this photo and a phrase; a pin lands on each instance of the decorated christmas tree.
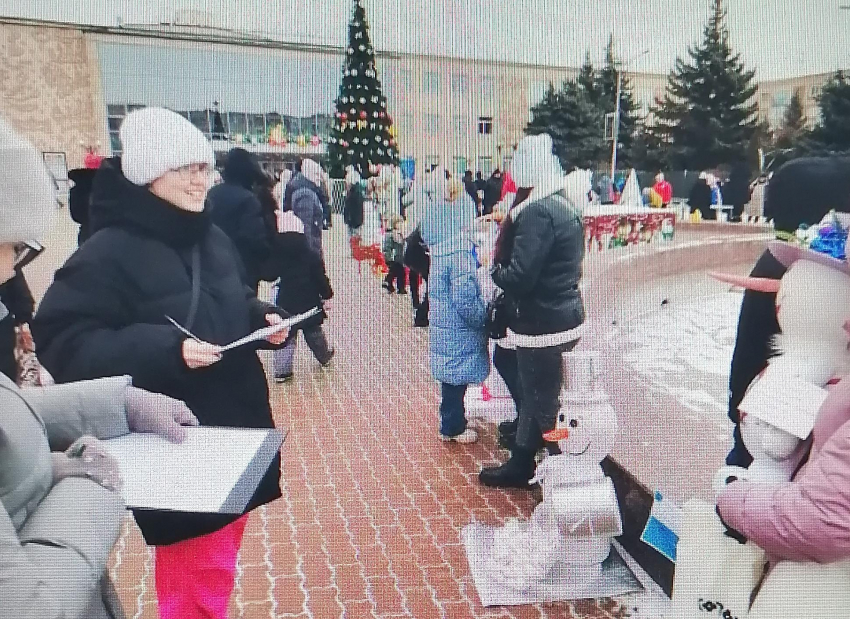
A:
(363, 132)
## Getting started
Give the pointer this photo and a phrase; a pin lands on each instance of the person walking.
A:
(305, 201)
(155, 256)
(236, 209)
(303, 285)
(457, 339)
(538, 265)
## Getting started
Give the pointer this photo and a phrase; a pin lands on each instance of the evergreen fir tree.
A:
(606, 89)
(362, 133)
(832, 133)
(588, 80)
(708, 114)
(790, 137)
(570, 117)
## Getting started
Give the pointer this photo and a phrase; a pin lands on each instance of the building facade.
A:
(68, 87)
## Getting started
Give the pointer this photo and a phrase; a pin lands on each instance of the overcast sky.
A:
(773, 36)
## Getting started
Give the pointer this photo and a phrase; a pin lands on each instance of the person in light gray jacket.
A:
(60, 506)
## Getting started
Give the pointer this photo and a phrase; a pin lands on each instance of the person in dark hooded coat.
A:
(700, 197)
(78, 200)
(155, 253)
(237, 210)
(736, 191)
(802, 191)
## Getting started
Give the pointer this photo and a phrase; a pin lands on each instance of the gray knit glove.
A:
(154, 413)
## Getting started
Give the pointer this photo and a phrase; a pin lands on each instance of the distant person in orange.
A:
(663, 189)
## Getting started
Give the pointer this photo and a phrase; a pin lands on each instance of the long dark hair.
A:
(506, 232)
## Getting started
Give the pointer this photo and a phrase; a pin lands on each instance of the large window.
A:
(485, 125)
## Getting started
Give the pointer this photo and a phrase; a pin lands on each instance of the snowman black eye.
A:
(573, 423)
(561, 418)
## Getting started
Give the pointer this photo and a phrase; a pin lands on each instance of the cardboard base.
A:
(615, 579)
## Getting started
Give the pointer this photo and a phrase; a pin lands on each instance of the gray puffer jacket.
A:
(55, 539)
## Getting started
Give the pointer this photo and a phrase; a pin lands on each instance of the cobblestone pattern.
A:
(373, 502)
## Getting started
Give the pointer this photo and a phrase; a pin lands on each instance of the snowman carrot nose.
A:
(558, 434)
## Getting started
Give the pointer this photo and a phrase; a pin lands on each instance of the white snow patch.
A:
(684, 350)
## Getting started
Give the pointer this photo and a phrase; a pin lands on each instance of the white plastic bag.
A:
(715, 575)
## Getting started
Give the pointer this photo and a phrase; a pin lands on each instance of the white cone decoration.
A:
(631, 192)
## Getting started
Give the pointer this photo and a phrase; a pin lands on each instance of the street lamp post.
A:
(618, 110)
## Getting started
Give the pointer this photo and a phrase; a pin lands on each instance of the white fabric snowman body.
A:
(813, 346)
(572, 528)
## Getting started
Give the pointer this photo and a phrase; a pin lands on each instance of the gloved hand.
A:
(87, 458)
(155, 413)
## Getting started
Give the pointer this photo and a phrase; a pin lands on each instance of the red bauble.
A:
(363, 115)
(382, 114)
(343, 116)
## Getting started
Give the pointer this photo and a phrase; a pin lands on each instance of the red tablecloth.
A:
(621, 229)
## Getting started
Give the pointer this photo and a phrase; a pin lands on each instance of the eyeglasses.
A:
(26, 252)
(188, 172)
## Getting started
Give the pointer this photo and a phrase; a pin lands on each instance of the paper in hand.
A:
(265, 332)
(786, 402)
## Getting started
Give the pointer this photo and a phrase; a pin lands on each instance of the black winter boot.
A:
(508, 427)
(507, 434)
(515, 473)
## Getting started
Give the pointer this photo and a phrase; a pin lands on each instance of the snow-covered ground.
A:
(683, 349)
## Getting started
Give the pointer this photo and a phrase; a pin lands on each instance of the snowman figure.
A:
(570, 531)
(813, 347)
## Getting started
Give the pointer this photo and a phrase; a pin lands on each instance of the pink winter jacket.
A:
(807, 519)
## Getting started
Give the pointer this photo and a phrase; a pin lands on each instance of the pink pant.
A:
(194, 578)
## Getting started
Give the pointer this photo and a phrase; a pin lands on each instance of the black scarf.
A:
(116, 202)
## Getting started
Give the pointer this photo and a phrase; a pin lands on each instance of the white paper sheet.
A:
(213, 470)
(784, 401)
(265, 332)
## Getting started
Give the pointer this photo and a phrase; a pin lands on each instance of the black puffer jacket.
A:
(540, 266)
(304, 283)
(105, 315)
(239, 214)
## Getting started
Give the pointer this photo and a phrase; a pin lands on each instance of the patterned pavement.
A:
(373, 502)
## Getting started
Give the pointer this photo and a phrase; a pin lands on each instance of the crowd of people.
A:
(168, 270)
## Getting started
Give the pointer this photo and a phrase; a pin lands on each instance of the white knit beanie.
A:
(155, 140)
(535, 164)
(27, 191)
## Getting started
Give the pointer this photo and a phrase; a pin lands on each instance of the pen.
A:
(182, 330)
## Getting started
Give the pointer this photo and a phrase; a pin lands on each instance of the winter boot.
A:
(507, 434)
(515, 473)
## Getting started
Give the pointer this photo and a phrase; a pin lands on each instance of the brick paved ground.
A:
(373, 503)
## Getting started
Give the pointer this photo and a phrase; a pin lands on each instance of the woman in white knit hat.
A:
(537, 263)
(60, 513)
(154, 257)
